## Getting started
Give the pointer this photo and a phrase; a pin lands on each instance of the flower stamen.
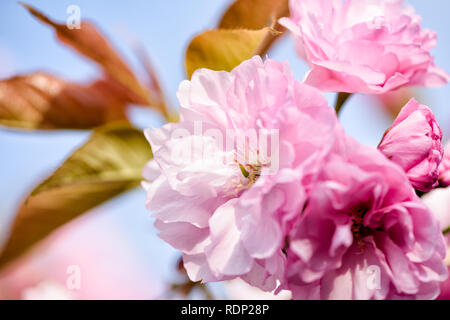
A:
(359, 230)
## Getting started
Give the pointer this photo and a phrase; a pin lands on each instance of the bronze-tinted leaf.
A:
(225, 49)
(254, 14)
(43, 101)
(109, 163)
(89, 42)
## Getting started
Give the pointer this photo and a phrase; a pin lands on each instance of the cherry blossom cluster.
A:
(293, 202)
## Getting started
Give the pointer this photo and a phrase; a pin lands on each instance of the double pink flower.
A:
(368, 46)
(364, 234)
(332, 213)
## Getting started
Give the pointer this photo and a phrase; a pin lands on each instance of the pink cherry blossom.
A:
(368, 46)
(364, 234)
(229, 217)
(414, 143)
(444, 168)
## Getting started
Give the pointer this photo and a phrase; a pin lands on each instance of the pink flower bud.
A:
(414, 143)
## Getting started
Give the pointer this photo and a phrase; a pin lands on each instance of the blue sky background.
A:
(164, 28)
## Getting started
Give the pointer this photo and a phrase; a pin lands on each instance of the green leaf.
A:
(108, 164)
(225, 49)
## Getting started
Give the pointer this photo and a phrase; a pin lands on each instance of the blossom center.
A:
(250, 174)
(359, 230)
(251, 163)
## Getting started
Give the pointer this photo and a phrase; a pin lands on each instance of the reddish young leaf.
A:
(42, 101)
(153, 83)
(89, 42)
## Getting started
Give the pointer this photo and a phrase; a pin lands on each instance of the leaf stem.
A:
(342, 97)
